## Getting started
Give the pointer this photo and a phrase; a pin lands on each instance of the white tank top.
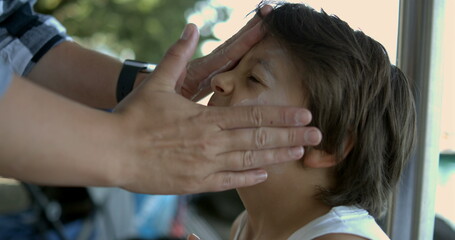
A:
(341, 219)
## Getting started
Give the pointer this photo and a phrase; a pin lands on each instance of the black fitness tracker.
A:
(128, 75)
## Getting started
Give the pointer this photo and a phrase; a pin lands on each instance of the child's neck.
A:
(284, 203)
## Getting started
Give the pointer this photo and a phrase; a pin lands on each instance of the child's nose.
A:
(222, 84)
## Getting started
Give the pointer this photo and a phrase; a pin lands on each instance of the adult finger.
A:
(173, 64)
(258, 116)
(265, 138)
(228, 180)
(234, 48)
(224, 56)
(266, 9)
(243, 43)
(244, 160)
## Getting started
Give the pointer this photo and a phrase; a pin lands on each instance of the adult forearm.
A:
(47, 139)
(80, 74)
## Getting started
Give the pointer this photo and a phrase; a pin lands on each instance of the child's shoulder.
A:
(340, 236)
(342, 222)
(238, 223)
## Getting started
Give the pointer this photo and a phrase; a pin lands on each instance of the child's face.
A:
(266, 75)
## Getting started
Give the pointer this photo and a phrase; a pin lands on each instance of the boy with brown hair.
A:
(362, 104)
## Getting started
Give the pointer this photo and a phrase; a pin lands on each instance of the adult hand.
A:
(175, 146)
(200, 71)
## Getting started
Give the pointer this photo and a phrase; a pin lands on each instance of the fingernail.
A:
(261, 176)
(296, 152)
(266, 9)
(303, 117)
(186, 32)
(313, 136)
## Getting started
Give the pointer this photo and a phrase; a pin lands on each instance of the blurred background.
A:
(143, 30)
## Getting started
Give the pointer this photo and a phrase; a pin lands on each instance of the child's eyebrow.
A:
(266, 64)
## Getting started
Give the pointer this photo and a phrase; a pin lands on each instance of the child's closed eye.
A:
(254, 79)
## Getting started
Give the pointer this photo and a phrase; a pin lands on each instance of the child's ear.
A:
(348, 145)
(318, 159)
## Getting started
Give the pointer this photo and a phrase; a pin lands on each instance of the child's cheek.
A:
(276, 98)
(259, 100)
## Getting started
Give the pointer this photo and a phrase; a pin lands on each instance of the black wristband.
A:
(128, 75)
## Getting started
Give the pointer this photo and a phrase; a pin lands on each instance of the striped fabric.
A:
(25, 36)
(5, 77)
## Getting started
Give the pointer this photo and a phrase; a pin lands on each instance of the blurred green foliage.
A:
(147, 27)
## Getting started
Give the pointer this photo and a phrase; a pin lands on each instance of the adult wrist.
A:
(122, 166)
(112, 168)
